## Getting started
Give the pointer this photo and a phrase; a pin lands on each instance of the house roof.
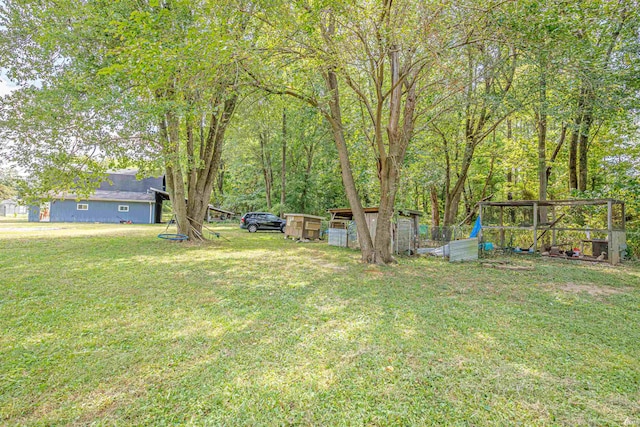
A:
(116, 196)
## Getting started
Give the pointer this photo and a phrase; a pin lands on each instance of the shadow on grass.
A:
(131, 329)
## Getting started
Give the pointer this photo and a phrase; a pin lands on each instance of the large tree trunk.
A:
(334, 116)
(208, 171)
(190, 190)
(170, 132)
(388, 189)
(399, 133)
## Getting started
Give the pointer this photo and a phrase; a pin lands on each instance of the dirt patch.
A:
(591, 289)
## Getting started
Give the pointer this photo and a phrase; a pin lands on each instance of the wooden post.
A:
(479, 236)
(553, 231)
(502, 227)
(613, 259)
(416, 232)
(535, 227)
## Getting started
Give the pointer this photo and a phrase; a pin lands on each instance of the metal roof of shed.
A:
(348, 210)
(405, 212)
(304, 215)
(213, 208)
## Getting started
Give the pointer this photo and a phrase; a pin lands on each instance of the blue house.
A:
(120, 198)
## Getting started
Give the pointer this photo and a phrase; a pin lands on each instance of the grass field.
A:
(106, 324)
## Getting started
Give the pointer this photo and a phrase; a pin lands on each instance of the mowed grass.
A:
(106, 324)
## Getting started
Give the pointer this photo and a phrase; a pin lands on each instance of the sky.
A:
(6, 86)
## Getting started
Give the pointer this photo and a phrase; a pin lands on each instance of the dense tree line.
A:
(304, 106)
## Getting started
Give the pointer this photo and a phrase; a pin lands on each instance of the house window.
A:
(83, 207)
(123, 208)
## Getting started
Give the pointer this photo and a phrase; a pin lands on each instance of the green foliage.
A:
(8, 183)
(312, 177)
(97, 75)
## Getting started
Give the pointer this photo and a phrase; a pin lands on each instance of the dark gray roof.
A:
(104, 195)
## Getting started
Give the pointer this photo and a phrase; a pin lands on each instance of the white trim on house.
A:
(82, 207)
(123, 208)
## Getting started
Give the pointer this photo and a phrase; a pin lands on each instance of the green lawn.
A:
(106, 324)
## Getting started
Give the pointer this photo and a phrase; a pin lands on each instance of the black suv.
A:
(254, 221)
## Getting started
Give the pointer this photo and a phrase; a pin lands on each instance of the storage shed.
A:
(302, 226)
(11, 207)
(405, 228)
(218, 214)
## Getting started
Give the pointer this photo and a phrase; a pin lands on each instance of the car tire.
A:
(282, 228)
(252, 228)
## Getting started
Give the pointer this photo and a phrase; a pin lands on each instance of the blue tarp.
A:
(476, 229)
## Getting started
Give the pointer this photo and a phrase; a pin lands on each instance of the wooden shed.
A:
(302, 226)
(215, 213)
(405, 228)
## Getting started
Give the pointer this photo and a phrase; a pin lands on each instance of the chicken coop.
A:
(302, 226)
(591, 230)
(405, 229)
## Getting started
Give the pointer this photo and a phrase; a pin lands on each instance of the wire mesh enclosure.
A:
(577, 229)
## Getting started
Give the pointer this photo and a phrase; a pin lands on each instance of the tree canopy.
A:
(304, 106)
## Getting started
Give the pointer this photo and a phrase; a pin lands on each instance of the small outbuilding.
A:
(405, 228)
(11, 207)
(218, 214)
(302, 226)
